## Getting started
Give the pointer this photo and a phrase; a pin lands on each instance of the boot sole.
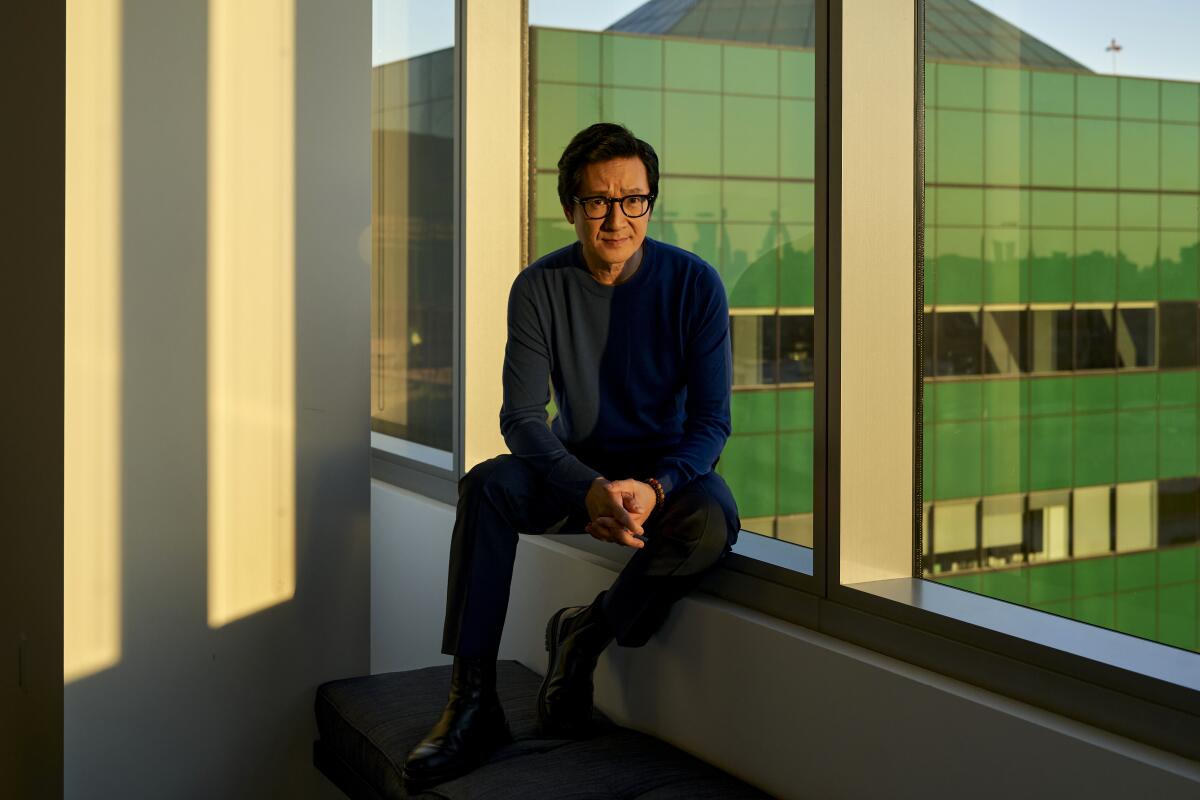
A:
(422, 782)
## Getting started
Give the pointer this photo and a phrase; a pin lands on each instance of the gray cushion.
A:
(368, 726)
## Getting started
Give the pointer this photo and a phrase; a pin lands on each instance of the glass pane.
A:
(1062, 318)
(412, 256)
(726, 98)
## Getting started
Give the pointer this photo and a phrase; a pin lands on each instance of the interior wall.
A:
(32, 48)
(191, 710)
(794, 711)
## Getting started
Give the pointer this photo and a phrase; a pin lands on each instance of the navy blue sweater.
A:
(642, 371)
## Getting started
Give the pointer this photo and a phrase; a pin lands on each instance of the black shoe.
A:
(469, 730)
(575, 637)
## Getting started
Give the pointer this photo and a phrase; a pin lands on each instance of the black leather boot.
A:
(471, 727)
(575, 637)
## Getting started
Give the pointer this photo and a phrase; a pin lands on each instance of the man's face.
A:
(615, 238)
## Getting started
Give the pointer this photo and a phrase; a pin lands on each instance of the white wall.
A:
(188, 710)
(796, 712)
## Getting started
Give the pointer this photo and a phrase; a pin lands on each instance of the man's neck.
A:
(615, 274)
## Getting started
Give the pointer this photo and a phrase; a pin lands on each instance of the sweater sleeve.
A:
(526, 379)
(708, 372)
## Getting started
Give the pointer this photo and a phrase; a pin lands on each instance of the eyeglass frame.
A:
(619, 201)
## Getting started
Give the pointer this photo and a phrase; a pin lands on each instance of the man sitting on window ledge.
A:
(634, 336)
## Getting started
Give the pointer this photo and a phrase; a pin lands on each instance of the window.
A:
(413, 230)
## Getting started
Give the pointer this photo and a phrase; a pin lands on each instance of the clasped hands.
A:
(618, 509)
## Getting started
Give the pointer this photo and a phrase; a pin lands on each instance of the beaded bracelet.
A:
(659, 494)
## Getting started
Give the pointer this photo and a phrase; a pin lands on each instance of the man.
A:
(634, 336)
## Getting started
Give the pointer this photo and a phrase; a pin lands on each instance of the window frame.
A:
(1064, 666)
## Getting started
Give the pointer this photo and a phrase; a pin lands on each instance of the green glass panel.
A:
(927, 439)
(1096, 153)
(751, 136)
(631, 61)
(1177, 616)
(1095, 265)
(640, 110)
(1137, 390)
(1139, 98)
(1138, 153)
(688, 199)
(1053, 92)
(929, 267)
(1181, 157)
(1049, 583)
(701, 238)
(1010, 585)
(1006, 89)
(1005, 265)
(1006, 207)
(1178, 565)
(1005, 456)
(748, 466)
(1180, 212)
(1053, 146)
(552, 235)
(931, 148)
(1095, 576)
(749, 264)
(1096, 95)
(1136, 445)
(692, 65)
(960, 86)
(959, 266)
(967, 583)
(752, 412)
(797, 145)
(683, 150)
(797, 202)
(1096, 209)
(1180, 101)
(957, 400)
(1095, 392)
(1051, 395)
(796, 409)
(797, 73)
(1095, 449)
(1177, 442)
(1136, 613)
(1050, 443)
(1051, 269)
(751, 70)
(1138, 210)
(796, 472)
(1052, 209)
(567, 56)
(1178, 266)
(956, 460)
(960, 207)
(750, 201)
(1137, 571)
(562, 111)
(548, 206)
(1005, 398)
(931, 69)
(797, 279)
(1178, 388)
(1098, 610)
(1008, 148)
(1137, 273)
(963, 161)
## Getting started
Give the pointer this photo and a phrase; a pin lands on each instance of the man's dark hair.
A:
(601, 142)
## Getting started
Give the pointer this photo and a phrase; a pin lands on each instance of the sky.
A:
(1160, 38)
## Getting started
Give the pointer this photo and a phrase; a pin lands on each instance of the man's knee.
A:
(483, 474)
(705, 531)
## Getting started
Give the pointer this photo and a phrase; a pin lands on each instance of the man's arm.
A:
(708, 372)
(526, 380)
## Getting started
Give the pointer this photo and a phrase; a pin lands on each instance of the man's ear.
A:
(569, 213)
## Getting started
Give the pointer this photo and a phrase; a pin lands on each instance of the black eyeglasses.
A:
(632, 205)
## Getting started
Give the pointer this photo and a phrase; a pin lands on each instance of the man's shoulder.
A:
(686, 265)
(548, 268)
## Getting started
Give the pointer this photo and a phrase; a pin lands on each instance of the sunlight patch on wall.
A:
(251, 307)
(92, 341)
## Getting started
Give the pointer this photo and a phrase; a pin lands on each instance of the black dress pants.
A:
(685, 537)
